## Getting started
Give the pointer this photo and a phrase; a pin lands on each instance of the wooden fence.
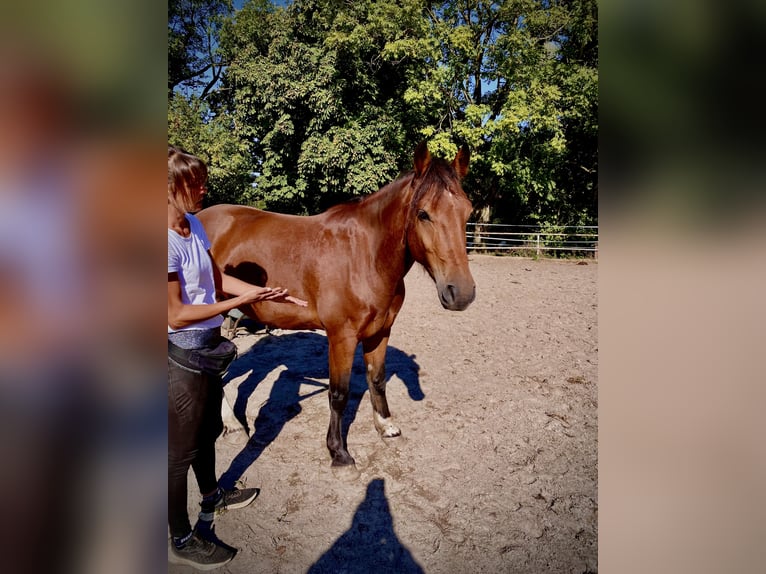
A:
(532, 240)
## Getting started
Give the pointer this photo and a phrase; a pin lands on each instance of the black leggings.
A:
(194, 424)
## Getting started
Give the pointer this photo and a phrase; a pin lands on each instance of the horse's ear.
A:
(422, 159)
(460, 163)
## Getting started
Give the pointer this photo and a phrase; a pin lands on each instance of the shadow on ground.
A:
(370, 544)
(303, 356)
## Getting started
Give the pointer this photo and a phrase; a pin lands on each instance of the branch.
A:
(192, 74)
(500, 94)
(216, 71)
(553, 34)
(212, 82)
(218, 68)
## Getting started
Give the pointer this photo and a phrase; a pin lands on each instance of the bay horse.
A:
(349, 263)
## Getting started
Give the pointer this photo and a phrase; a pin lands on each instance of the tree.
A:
(194, 60)
(514, 86)
(192, 127)
(324, 100)
(320, 101)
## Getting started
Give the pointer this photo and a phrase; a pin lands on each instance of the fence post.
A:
(538, 245)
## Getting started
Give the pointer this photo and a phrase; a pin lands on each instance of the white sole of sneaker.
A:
(176, 559)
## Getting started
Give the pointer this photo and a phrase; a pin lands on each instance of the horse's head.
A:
(436, 228)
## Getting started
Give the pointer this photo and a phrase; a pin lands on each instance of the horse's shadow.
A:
(302, 355)
(370, 544)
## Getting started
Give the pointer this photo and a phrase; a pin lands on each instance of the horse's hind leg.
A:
(341, 360)
(231, 423)
(375, 359)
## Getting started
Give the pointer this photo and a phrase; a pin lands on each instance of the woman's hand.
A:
(296, 301)
(276, 294)
(280, 295)
(248, 293)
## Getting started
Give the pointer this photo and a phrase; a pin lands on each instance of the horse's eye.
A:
(423, 215)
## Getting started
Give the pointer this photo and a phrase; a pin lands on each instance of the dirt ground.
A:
(496, 468)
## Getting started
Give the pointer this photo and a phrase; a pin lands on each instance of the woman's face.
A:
(197, 196)
(190, 200)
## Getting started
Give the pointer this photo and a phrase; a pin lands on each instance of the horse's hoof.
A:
(385, 427)
(390, 432)
(237, 437)
(343, 459)
(346, 472)
(229, 428)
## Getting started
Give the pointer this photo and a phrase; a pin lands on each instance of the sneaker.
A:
(236, 498)
(200, 554)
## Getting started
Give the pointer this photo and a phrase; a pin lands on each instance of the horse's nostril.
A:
(456, 298)
(451, 292)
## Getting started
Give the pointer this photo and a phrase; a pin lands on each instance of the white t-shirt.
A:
(189, 258)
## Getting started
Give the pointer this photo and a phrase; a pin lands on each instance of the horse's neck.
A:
(388, 211)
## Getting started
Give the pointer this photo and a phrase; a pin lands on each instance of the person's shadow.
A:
(370, 545)
(304, 357)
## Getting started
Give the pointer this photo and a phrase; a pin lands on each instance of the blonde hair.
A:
(186, 173)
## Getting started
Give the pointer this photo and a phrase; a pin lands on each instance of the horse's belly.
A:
(285, 316)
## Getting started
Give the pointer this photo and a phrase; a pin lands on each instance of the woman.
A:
(194, 396)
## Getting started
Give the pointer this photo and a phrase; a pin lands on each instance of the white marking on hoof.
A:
(231, 423)
(386, 427)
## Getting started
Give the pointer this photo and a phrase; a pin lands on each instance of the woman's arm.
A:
(182, 314)
(233, 286)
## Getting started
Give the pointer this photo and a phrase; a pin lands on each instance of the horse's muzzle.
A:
(456, 298)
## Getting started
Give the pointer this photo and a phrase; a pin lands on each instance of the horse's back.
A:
(238, 232)
(223, 220)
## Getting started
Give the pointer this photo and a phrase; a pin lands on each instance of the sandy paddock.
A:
(496, 468)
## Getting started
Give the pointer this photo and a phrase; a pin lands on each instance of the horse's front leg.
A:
(375, 359)
(341, 360)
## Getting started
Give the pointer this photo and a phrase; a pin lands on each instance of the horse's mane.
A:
(438, 176)
(358, 200)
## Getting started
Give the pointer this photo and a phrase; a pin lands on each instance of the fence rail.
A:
(531, 239)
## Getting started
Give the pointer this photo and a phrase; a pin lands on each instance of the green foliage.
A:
(324, 100)
(321, 101)
(523, 97)
(192, 128)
